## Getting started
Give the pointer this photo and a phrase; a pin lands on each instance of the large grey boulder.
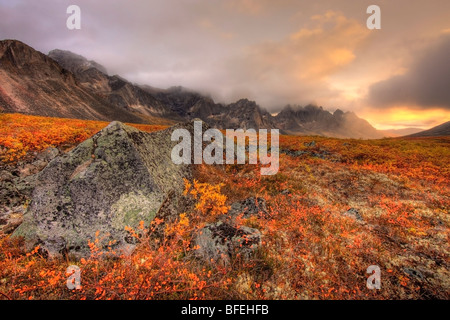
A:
(116, 178)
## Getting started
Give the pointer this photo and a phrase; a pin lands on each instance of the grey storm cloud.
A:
(425, 85)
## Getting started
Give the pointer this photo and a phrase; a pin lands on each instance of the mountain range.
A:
(65, 84)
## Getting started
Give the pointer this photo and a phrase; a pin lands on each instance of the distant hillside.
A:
(440, 130)
(399, 132)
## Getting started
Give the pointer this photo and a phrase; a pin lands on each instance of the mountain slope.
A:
(116, 90)
(189, 105)
(33, 83)
(440, 130)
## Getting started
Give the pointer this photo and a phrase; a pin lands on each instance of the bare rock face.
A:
(116, 90)
(116, 178)
(314, 120)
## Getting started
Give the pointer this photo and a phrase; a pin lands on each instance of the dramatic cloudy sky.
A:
(273, 52)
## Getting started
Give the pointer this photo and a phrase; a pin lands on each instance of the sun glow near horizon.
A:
(404, 117)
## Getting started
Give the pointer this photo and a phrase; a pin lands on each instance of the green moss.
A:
(27, 229)
(133, 208)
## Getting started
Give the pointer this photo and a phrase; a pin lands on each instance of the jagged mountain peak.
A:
(295, 108)
(307, 111)
(75, 62)
(245, 103)
(8, 43)
(14, 45)
(18, 56)
(115, 90)
(314, 120)
(179, 89)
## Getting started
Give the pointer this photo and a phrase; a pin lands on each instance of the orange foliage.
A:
(21, 134)
(209, 199)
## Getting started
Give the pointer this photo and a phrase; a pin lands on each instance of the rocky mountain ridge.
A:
(64, 84)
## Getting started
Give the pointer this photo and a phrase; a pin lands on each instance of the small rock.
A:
(41, 161)
(414, 273)
(6, 176)
(248, 207)
(294, 153)
(220, 241)
(48, 154)
(353, 213)
(11, 219)
(28, 169)
(310, 144)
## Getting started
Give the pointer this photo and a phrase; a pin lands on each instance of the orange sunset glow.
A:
(399, 118)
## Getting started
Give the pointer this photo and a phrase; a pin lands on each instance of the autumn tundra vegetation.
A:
(335, 207)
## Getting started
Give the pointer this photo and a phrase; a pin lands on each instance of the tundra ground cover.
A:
(335, 207)
(21, 135)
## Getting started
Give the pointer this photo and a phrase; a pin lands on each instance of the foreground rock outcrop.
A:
(117, 178)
